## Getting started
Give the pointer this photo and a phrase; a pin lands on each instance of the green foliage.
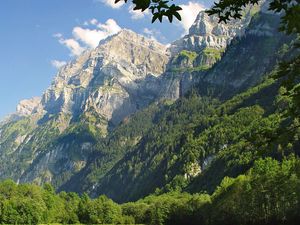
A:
(159, 9)
(212, 52)
(192, 144)
(30, 204)
(156, 153)
(109, 150)
(267, 194)
(188, 54)
(100, 211)
(190, 61)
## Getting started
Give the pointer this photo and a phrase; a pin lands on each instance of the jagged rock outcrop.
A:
(207, 32)
(29, 106)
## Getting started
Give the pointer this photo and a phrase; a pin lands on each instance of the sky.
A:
(37, 37)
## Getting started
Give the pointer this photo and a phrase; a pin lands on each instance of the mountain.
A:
(132, 117)
(97, 90)
(89, 97)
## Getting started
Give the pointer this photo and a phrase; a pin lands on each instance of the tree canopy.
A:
(267, 194)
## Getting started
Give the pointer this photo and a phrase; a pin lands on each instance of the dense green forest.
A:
(268, 193)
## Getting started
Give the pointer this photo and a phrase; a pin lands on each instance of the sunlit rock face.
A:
(28, 106)
(110, 79)
(207, 32)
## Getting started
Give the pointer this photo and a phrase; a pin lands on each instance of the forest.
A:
(268, 193)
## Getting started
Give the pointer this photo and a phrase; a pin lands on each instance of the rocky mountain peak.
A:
(128, 36)
(28, 107)
(207, 32)
(128, 47)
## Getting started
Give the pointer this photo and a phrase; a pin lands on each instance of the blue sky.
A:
(37, 37)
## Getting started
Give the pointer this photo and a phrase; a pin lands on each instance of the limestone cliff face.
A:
(199, 50)
(109, 79)
(127, 71)
(207, 32)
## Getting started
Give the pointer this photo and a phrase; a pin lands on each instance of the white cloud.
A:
(137, 14)
(93, 21)
(75, 48)
(58, 35)
(84, 38)
(92, 37)
(112, 4)
(58, 64)
(189, 13)
(73, 45)
(89, 37)
(147, 31)
(154, 34)
(110, 27)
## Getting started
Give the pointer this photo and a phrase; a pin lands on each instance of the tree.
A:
(158, 8)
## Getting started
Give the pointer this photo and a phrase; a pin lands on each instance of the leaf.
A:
(160, 16)
(155, 16)
(170, 16)
(177, 15)
(143, 5)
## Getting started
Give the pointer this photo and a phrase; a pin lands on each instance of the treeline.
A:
(269, 193)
